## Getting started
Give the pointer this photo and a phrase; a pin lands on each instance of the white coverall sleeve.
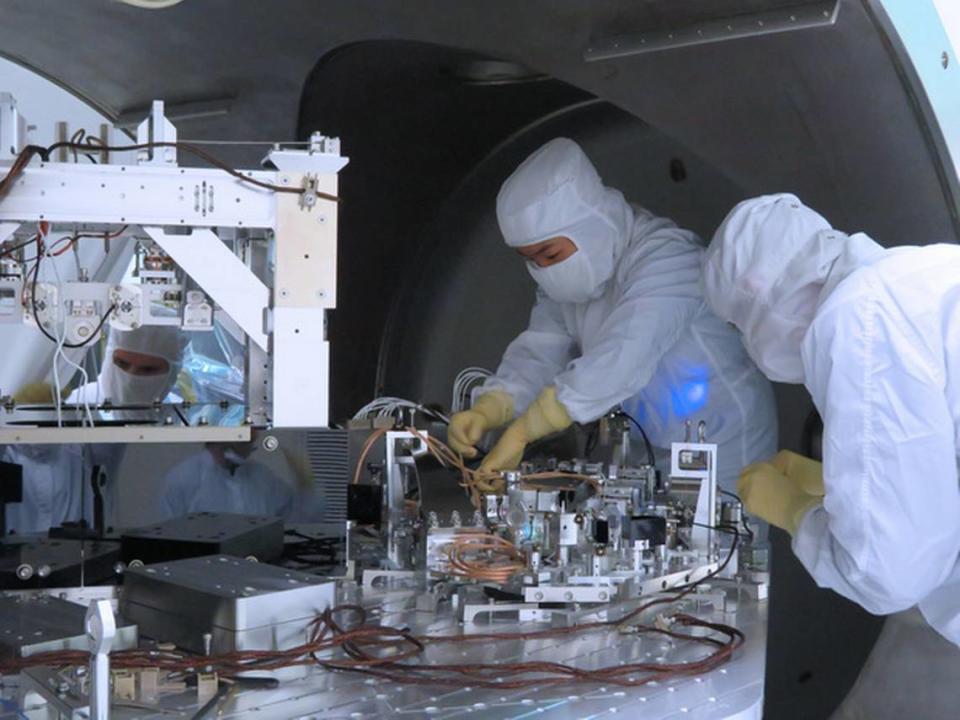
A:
(886, 535)
(661, 294)
(535, 356)
(174, 500)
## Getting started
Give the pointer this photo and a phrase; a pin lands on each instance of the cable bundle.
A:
(380, 651)
(484, 557)
(385, 407)
(464, 384)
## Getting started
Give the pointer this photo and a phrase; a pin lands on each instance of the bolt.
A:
(568, 596)
(539, 596)
(25, 571)
(270, 443)
(284, 293)
(603, 596)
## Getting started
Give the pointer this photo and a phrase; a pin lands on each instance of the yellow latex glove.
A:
(37, 394)
(768, 493)
(490, 411)
(545, 416)
(805, 473)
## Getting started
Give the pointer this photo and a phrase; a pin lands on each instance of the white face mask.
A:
(123, 388)
(568, 281)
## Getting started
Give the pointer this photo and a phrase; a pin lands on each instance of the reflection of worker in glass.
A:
(56, 487)
(139, 366)
(222, 478)
(619, 318)
(873, 335)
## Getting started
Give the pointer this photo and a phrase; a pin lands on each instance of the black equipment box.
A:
(205, 533)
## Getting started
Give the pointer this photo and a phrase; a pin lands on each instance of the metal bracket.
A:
(101, 629)
(308, 198)
(221, 274)
(389, 577)
(528, 612)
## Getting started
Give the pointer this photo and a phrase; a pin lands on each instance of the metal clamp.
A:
(308, 198)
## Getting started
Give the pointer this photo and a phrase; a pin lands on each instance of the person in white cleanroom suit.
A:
(874, 335)
(221, 478)
(138, 367)
(56, 487)
(619, 319)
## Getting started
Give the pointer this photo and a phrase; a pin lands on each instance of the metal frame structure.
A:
(179, 209)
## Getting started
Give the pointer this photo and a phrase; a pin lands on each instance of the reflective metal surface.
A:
(30, 625)
(160, 423)
(240, 603)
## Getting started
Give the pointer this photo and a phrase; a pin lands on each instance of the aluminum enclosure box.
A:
(43, 624)
(243, 605)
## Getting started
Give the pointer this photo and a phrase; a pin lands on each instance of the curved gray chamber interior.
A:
(434, 119)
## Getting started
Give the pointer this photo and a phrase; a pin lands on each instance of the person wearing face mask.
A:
(872, 333)
(140, 367)
(619, 319)
(221, 478)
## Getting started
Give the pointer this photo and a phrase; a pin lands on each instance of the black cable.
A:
(731, 494)
(33, 304)
(651, 459)
(213, 702)
(593, 437)
(26, 155)
(743, 519)
(11, 250)
(186, 147)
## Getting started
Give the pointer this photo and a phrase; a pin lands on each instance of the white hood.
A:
(123, 388)
(557, 192)
(771, 263)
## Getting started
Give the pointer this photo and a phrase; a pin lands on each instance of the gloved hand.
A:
(805, 473)
(37, 394)
(768, 493)
(546, 415)
(490, 411)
